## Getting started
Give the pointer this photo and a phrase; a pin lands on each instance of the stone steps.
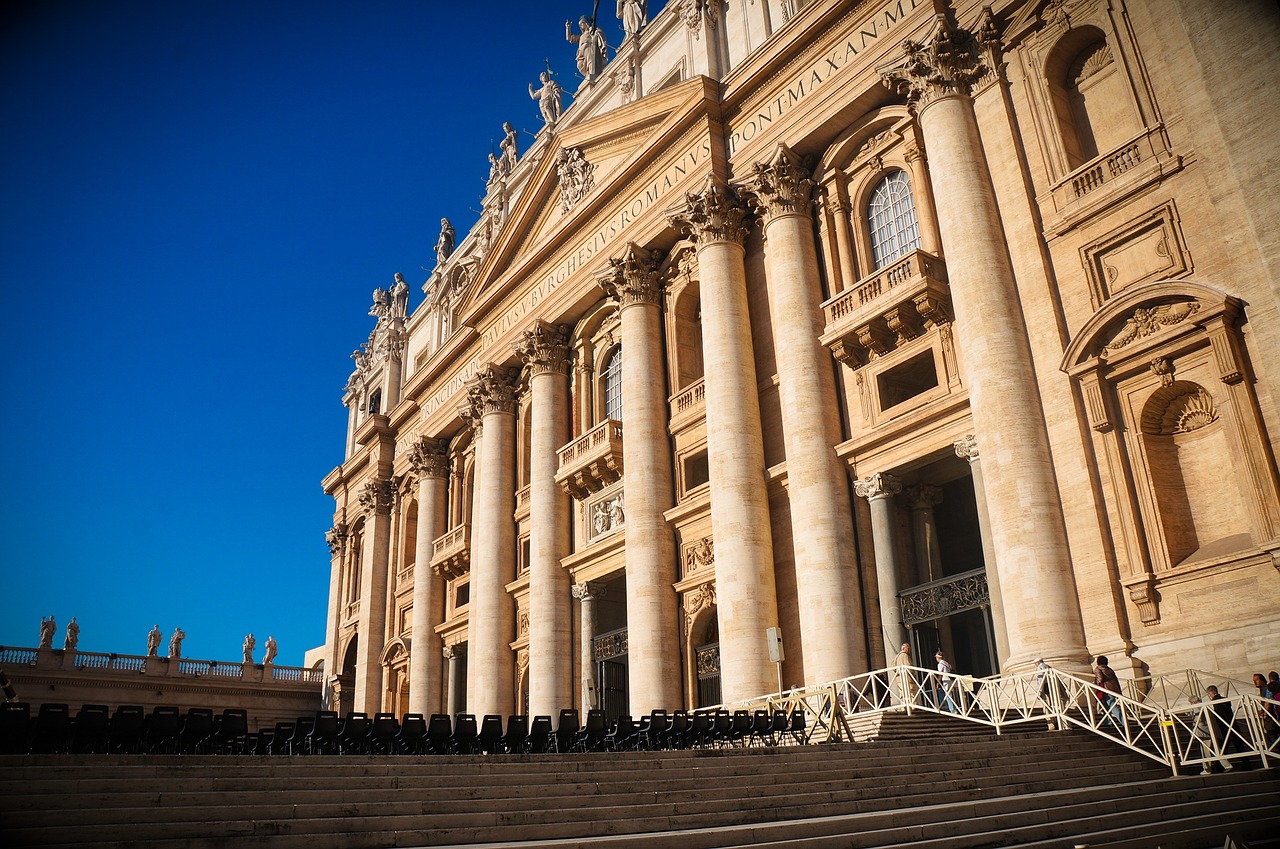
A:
(949, 784)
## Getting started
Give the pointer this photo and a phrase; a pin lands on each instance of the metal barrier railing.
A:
(1160, 718)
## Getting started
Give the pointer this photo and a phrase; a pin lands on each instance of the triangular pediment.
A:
(617, 145)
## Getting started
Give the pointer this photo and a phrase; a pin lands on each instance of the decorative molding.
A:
(429, 457)
(493, 390)
(780, 186)
(699, 555)
(714, 215)
(923, 496)
(576, 175)
(336, 537)
(589, 591)
(1147, 321)
(377, 497)
(967, 448)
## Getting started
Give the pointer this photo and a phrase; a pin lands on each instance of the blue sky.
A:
(196, 201)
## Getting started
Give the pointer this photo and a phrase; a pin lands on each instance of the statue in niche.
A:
(634, 15)
(175, 642)
(48, 627)
(549, 98)
(73, 636)
(592, 47)
(153, 642)
(272, 649)
(444, 244)
(510, 152)
(599, 519)
(249, 645)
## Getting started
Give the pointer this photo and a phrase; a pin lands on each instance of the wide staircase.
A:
(921, 781)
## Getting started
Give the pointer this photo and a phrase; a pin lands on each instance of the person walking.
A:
(1109, 685)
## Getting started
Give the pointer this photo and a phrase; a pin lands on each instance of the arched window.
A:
(892, 215)
(613, 385)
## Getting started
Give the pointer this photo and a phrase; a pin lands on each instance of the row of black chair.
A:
(165, 730)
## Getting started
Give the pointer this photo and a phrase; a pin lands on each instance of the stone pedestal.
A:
(740, 519)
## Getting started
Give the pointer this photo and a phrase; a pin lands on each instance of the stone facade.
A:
(944, 323)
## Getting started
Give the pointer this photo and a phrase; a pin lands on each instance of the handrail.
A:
(1183, 732)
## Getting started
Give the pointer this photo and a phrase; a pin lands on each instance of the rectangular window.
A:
(904, 382)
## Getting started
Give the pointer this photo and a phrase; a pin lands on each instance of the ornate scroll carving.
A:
(377, 496)
(947, 64)
(1145, 597)
(780, 186)
(545, 348)
(943, 598)
(877, 485)
(588, 591)
(633, 278)
(967, 447)
(715, 215)
(1147, 321)
(493, 390)
(700, 555)
(429, 457)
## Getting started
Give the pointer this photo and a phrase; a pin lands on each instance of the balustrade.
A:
(451, 552)
(944, 597)
(689, 404)
(592, 461)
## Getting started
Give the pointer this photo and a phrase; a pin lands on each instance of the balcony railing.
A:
(593, 461)
(451, 553)
(689, 403)
(882, 310)
(90, 663)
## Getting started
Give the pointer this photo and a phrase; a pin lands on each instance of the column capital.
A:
(336, 537)
(588, 591)
(947, 64)
(492, 390)
(780, 186)
(545, 348)
(879, 485)
(714, 215)
(967, 448)
(633, 278)
(450, 652)
(377, 496)
(429, 458)
(923, 496)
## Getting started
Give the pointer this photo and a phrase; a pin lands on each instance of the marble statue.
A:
(634, 15)
(510, 152)
(249, 645)
(496, 171)
(153, 641)
(591, 47)
(47, 629)
(444, 244)
(549, 98)
(175, 642)
(271, 648)
(73, 636)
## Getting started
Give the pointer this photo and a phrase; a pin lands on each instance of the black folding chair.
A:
(678, 732)
(700, 730)
(299, 742)
(539, 735)
(740, 728)
(489, 740)
(591, 737)
(353, 735)
(465, 733)
(621, 736)
(162, 727)
(230, 729)
(282, 742)
(761, 728)
(125, 731)
(413, 731)
(15, 728)
(654, 730)
(197, 725)
(382, 734)
(323, 736)
(513, 742)
(566, 730)
(439, 734)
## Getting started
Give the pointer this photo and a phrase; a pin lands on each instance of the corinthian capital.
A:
(948, 63)
(545, 348)
(877, 485)
(780, 186)
(492, 390)
(633, 277)
(967, 447)
(335, 537)
(715, 215)
(429, 458)
(377, 496)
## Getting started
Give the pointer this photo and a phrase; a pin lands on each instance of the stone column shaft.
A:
(454, 681)
(879, 490)
(844, 241)
(491, 621)
(587, 595)
(430, 460)
(653, 652)
(968, 449)
(745, 583)
(337, 538)
(829, 599)
(1027, 526)
(545, 350)
(377, 500)
(923, 498)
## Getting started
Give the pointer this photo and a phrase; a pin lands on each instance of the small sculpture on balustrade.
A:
(444, 244)
(48, 627)
(591, 47)
(510, 153)
(175, 643)
(73, 636)
(549, 98)
(249, 645)
(634, 15)
(271, 648)
(153, 641)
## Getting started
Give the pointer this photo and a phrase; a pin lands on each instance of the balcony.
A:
(451, 553)
(688, 405)
(883, 310)
(593, 461)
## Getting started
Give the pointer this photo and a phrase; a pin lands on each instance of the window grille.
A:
(895, 231)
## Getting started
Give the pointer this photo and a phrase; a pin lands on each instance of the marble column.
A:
(843, 227)
(879, 489)
(828, 595)
(453, 676)
(922, 498)
(336, 538)
(967, 448)
(740, 519)
(545, 351)
(429, 459)
(376, 499)
(653, 661)
(491, 621)
(1042, 613)
(586, 594)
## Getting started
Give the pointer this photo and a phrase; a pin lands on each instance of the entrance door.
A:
(612, 675)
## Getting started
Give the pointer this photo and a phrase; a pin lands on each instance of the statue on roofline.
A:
(549, 98)
(592, 48)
